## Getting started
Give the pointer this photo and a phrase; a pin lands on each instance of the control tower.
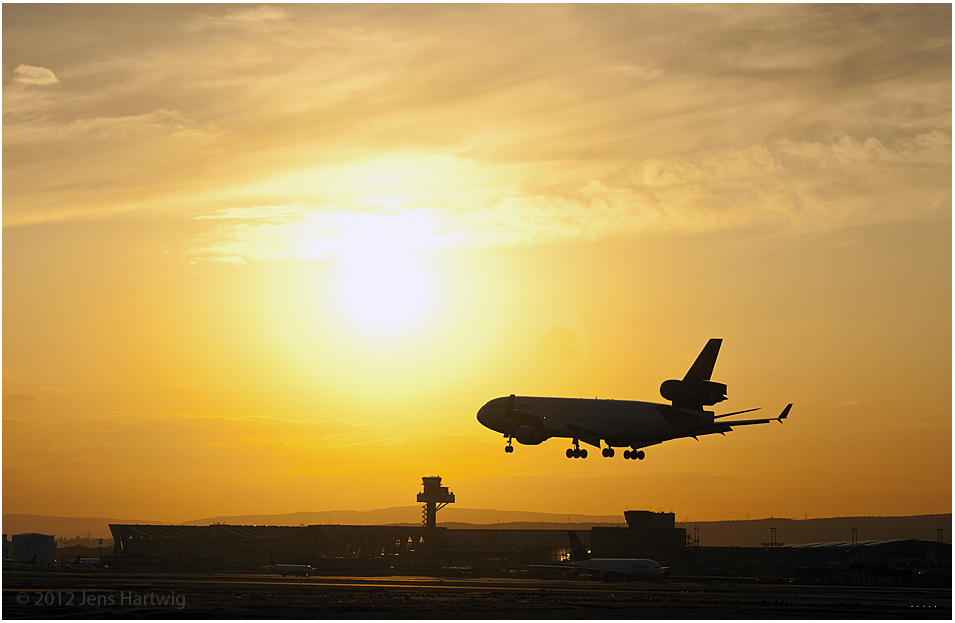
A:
(435, 497)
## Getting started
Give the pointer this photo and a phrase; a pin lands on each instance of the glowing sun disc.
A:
(385, 295)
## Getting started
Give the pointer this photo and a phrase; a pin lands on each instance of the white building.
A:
(25, 546)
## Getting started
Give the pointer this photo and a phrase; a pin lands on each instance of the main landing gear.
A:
(627, 454)
(508, 448)
(576, 452)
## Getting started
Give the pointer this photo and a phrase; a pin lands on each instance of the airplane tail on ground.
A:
(578, 551)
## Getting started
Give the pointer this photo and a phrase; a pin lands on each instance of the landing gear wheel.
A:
(607, 452)
(583, 453)
(570, 453)
(508, 449)
(626, 454)
(640, 454)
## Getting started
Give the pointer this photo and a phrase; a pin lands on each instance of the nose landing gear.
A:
(607, 452)
(508, 448)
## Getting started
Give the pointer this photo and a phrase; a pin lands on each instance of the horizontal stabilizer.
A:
(782, 416)
(746, 422)
(716, 417)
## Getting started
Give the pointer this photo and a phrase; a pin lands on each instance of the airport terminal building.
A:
(429, 549)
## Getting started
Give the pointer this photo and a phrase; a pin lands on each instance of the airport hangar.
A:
(429, 549)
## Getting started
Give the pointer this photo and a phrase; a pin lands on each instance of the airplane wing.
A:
(725, 427)
(556, 426)
(782, 416)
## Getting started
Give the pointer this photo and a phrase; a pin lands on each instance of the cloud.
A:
(122, 130)
(253, 213)
(637, 72)
(790, 186)
(28, 397)
(246, 17)
(262, 13)
(689, 118)
(29, 74)
(13, 389)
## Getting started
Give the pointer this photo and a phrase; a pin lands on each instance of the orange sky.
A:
(264, 259)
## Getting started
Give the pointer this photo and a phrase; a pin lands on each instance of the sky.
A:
(274, 258)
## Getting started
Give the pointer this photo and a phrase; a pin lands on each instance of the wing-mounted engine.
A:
(530, 435)
(696, 389)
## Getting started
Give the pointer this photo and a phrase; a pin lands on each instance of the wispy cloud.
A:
(29, 74)
(12, 396)
(791, 186)
(246, 17)
(594, 122)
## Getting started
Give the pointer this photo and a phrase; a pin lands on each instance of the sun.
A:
(385, 295)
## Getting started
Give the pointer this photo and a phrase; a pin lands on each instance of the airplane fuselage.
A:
(290, 569)
(620, 423)
(622, 567)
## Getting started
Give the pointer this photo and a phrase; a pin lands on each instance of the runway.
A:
(256, 596)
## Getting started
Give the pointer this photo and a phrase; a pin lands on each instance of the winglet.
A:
(782, 416)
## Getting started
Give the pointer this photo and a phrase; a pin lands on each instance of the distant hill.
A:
(408, 515)
(741, 533)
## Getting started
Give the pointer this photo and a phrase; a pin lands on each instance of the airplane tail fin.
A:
(579, 552)
(702, 368)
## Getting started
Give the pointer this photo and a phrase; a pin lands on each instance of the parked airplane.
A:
(613, 568)
(22, 566)
(288, 569)
(620, 423)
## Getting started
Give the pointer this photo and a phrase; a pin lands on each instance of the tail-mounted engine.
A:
(696, 389)
(693, 394)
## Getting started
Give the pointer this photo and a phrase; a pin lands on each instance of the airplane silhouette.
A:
(621, 423)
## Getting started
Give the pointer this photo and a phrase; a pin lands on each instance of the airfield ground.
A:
(28, 595)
